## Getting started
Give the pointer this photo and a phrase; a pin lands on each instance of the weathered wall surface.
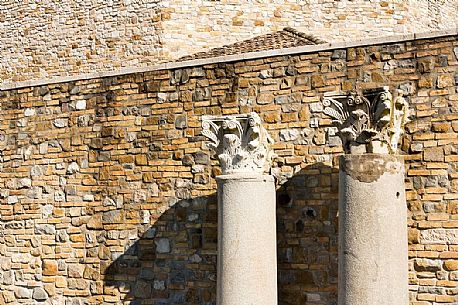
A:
(108, 193)
(43, 39)
(213, 23)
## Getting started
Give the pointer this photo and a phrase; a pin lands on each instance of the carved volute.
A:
(372, 121)
(240, 142)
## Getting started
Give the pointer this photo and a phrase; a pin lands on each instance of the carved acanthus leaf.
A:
(371, 121)
(240, 142)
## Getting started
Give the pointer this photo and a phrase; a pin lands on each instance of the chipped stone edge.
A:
(379, 165)
(233, 58)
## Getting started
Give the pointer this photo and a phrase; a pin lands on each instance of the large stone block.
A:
(439, 236)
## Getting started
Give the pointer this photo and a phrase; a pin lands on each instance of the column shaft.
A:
(247, 261)
(372, 231)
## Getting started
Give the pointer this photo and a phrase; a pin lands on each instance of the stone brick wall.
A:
(43, 39)
(107, 192)
(213, 23)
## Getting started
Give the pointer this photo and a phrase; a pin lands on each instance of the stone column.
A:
(373, 264)
(372, 231)
(247, 260)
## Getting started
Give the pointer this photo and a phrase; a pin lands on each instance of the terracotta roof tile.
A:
(286, 38)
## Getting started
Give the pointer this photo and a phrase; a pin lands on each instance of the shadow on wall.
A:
(307, 237)
(174, 262)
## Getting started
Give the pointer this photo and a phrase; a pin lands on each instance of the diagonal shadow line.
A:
(174, 261)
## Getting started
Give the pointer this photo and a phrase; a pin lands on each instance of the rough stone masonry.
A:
(108, 194)
(45, 39)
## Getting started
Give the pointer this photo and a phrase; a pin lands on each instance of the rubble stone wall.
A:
(208, 24)
(43, 39)
(107, 191)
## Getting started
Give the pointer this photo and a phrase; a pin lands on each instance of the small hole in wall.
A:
(309, 212)
(397, 195)
(283, 199)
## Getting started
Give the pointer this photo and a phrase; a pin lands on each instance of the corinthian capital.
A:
(240, 142)
(372, 121)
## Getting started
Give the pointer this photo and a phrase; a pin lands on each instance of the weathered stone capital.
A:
(240, 141)
(372, 121)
